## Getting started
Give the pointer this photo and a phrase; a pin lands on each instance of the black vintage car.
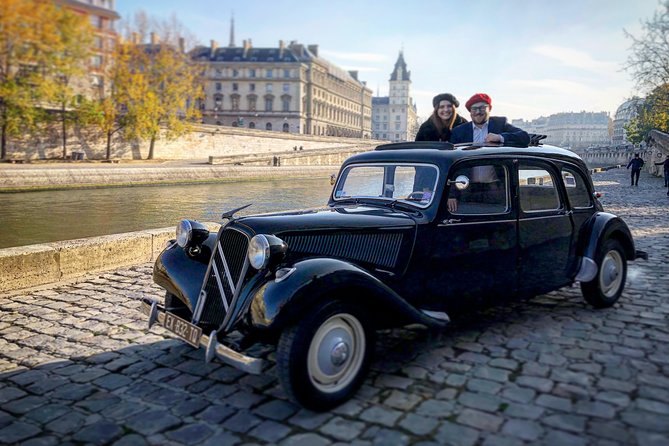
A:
(412, 233)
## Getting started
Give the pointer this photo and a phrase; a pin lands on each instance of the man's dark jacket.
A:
(496, 124)
(665, 165)
(428, 131)
(636, 163)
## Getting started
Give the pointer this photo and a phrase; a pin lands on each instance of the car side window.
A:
(577, 190)
(537, 190)
(486, 191)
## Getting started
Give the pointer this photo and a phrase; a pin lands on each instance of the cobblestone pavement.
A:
(77, 366)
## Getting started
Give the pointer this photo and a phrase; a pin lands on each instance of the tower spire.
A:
(232, 30)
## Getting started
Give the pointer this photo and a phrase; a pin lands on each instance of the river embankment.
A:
(20, 178)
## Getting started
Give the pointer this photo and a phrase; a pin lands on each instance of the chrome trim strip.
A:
(197, 314)
(225, 266)
(229, 356)
(220, 284)
(227, 320)
(544, 217)
(477, 222)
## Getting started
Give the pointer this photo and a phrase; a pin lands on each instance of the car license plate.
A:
(185, 330)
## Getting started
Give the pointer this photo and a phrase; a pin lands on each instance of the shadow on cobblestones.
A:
(78, 366)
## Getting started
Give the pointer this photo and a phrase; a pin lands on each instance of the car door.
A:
(473, 248)
(545, 228)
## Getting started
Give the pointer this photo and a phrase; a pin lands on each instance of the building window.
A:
(219, 87)
(252, 87)
(268, 88)
(235, 72)
(269, 103)
(218, 101)
(219, 72)
(96, 21)
(235, 102)
(268, 126)
(252, 72)
(252, 125)
(252, 99)
(285, 102)
(97, 41)
(286, 88)
(235, 86)
(96, 61)
(286, 73)
(286, 127)
(269, 72)
(96, 81)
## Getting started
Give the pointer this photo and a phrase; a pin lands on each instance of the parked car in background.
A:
(412, 233)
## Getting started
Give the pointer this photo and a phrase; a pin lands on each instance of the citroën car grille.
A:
(379, 249)
(225, 273)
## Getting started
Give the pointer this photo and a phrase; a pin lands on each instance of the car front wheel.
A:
(323, 359)
(605, 289)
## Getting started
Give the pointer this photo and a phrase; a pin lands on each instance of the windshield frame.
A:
(375, 199)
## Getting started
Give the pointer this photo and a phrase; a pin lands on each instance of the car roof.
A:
(446, 153)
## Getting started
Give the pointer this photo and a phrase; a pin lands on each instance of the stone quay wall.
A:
(33, 265)
(24, 179)
(202, 142)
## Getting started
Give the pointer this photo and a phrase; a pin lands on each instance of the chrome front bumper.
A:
(248, 364)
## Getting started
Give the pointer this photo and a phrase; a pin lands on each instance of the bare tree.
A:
(649, 58)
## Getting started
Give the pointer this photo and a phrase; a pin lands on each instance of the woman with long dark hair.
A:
(444, 117)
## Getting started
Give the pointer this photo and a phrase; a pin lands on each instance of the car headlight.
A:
(191, 233)
(266, 249)
(184, 233)
(259, 251)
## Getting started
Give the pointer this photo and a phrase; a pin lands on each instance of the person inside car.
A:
(444, 117)
(485, 128)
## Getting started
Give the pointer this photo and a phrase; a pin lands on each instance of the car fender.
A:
(602, 226)
(182, 273)
(279, 303)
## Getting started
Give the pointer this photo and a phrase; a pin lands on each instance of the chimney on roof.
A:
(182, 44)
(247, 47)
(214, 45)
(313, 49)
(297, 48)
(154, 38)
(282, 49)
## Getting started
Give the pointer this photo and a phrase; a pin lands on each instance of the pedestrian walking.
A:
(665, 163)
(636, 163)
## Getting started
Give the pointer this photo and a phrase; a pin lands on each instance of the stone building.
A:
(102, 16)
(571, 130)
(288, 88)
(624, 114)
(394, 116)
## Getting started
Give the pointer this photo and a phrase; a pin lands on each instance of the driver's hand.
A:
(452, 204)
(493, 137)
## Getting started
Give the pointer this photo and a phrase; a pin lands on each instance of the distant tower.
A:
(400, 83)
(232, 31)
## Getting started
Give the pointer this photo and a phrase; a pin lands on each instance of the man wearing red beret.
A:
(485, 128)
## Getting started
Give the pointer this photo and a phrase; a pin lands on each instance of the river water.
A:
(38, 217)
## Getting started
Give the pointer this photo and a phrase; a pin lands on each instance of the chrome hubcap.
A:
(610, 277)
(336, 353)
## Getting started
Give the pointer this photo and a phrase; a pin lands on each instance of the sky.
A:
(533, 57)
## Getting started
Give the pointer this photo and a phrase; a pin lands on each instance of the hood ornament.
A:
(230, 213)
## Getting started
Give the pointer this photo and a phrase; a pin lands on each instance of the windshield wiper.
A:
(348, 200)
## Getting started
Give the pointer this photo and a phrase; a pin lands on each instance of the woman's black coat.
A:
(428, 132)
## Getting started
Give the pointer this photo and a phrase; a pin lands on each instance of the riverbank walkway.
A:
(77, 365)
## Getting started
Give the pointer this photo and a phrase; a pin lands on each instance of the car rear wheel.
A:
(607, 286)
(323, 359)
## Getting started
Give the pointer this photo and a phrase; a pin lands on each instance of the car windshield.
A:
(411, 183)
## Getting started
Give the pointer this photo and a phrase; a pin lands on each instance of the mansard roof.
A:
(380, 100)
(237, 54)
(400, 73)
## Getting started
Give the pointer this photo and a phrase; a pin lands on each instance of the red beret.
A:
(478, 97)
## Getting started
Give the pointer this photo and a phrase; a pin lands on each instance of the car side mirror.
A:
(461, 182)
